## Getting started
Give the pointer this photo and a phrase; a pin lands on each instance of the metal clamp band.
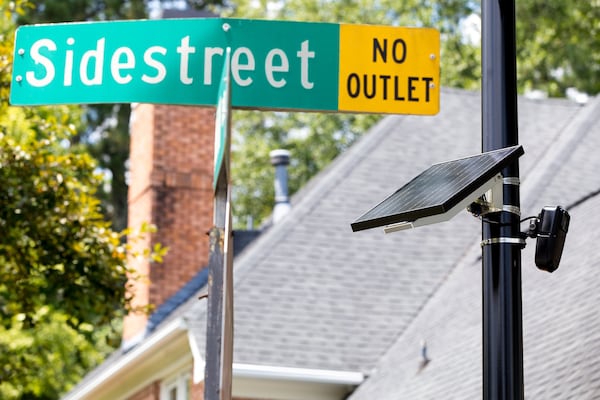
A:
(512, 209)
(511, 180)
(508, 240)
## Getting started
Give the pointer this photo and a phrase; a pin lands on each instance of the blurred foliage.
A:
(63, 269)
(81, 10)
(94, 10)
(558, 45)
(42, 362)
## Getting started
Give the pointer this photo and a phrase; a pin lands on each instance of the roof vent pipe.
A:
(280, 159)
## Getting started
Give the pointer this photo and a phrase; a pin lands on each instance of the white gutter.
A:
(163, 336)
(298, 374)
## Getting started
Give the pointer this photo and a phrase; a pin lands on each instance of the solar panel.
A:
(438, 189)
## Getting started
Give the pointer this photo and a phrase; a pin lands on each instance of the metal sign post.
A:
(219, 331)
(501, 258)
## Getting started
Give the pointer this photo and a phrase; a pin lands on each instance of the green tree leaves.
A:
(56, 243)
(63, 269)
(41, 362)
(558, 46)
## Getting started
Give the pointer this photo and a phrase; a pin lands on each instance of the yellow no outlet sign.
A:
(389, 69)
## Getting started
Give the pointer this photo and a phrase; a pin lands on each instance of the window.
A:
(176, 388)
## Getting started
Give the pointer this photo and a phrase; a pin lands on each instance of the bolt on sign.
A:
(274, 64)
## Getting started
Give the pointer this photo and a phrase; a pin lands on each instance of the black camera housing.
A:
(551, 229)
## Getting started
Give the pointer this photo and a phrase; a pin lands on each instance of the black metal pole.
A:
(501, 254)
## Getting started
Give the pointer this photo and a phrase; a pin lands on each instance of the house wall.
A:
(171, 168)
(151, 392)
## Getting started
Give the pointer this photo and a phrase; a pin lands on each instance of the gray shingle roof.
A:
(312, 294)
(560, 318)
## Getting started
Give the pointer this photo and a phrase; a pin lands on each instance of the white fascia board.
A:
(136, 355)
(253, 371)
(297, 374)
(288, 383)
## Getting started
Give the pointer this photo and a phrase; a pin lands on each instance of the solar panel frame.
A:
(437, 189)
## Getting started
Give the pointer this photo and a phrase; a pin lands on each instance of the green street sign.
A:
(274, 64)
(223, 125)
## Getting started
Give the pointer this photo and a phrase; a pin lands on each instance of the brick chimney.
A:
(171, 162)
